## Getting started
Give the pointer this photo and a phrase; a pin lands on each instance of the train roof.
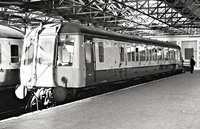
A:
(69, 27)
(9, 32)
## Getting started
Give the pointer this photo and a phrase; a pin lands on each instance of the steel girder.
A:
(142, 17)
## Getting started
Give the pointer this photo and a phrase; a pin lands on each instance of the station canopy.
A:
(140, 17)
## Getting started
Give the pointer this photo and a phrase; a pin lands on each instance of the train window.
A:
(136, 54)
(0, 54)
(147, 54)
(150, 55)
(29, 51)
(88, 52)
(142, 55)
(101, 52)
(129, 53)
(14, 53)
(159, 54)
(154, 52)
(133, 53)
(166, 55)
(122, 54)
(66, 53)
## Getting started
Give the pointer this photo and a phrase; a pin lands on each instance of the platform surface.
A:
(170, 103)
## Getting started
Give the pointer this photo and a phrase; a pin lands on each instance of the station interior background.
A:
(176, 21)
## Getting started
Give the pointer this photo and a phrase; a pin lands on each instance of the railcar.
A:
(59, 59)
(11, 41)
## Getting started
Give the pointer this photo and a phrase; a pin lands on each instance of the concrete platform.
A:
(170, 103)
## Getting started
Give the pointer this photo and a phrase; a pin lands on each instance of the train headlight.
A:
(21, 91)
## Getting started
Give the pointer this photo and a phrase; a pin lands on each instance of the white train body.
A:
(74, 56)
(11, 42)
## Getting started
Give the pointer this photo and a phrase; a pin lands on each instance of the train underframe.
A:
(41, 98)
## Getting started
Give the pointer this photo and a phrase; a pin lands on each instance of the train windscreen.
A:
(29, 52)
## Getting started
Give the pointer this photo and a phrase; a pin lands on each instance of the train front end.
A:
(38, 66)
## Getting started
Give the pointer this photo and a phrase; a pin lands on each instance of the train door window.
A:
(29, 51)
(88, 52)
(129, 53)
(101, 51)
(66, 52)
(122, 54)
(14, 53)
(137, 54)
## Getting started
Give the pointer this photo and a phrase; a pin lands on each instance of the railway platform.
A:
(169, 103)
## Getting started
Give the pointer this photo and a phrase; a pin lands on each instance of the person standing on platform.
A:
(192, 63)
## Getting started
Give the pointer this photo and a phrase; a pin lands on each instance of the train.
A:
(11, 42)
(60, 59)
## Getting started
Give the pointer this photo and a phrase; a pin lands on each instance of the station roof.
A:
(141, 17)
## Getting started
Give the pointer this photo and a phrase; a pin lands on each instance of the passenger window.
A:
(150, 55)
(14, 54)
(154, 52)
(159, 54)
(122, 54)
(166, 55)
(147, 54)
(101, 52)
(133, 53)
(137, 54)
(142, 55)
(129, 53)
(66, 52)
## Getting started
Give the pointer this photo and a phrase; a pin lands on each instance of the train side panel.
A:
(112, 62)
(10, 53)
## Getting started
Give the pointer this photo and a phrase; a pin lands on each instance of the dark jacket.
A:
(192, 62)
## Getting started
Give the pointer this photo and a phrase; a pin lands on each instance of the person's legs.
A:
(192, 69)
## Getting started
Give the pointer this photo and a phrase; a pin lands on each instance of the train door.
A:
(123, 63)
(90, 63)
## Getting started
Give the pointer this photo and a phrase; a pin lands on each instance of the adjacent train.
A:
(58, 60)
(11, 42)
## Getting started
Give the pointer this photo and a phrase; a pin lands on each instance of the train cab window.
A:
(137, 54)
(101, 51)
(66, 53)
(122, 54)
(14, 53)
(129, 53)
